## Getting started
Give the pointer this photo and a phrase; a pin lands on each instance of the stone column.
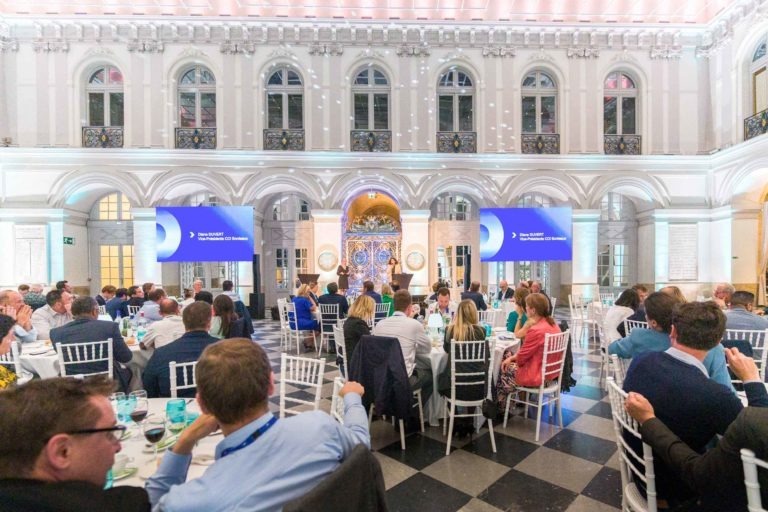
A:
(145, 265)
(415, 224)
(584, 262)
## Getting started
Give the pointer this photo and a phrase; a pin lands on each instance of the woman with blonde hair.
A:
(524, 367)
(387, 297)
(358, 322)
(465, 327)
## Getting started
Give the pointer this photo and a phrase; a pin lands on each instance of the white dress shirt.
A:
(45, 318)
(410, 333)
(163, 332)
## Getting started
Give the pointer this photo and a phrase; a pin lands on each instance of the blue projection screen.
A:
(205, 233)
(526, 234)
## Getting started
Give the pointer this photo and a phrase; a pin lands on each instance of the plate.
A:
(127, 434)
(42, 352)
(128, 471)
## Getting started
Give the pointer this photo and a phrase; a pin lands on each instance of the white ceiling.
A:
(543, 11)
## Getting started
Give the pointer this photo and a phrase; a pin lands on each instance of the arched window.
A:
(197, 98)
(285, 100)
(539, 108)
(616, 207)
(455, 91)
(289, 208)
(759, 77)
(370, 100)
(617, 242)
(453, 206)
(114, 207)
(534, 200)
(113, 240)
(619, 105)
(105, 97)
(203, 199)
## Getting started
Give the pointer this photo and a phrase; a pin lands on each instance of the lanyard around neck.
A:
(251, 438)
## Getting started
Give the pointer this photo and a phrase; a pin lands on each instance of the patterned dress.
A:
(7, 377)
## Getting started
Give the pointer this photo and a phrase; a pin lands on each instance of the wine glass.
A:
(141, 409)
(154, 431)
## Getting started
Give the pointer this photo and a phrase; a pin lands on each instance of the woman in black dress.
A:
(343, 272)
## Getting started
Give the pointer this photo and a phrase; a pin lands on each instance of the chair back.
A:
(578, 308)
(634, 466)
(11, 359)
(305, 373)
(554, 303)
(488, 317)
(337, 403)
(618, 369)
(133, 310)
(381, 312)
(102, 310)
(341, 348)
(329, 316)
(282, 313)
(607, 299)
(634, 324)
(757, 339)
(290, 316)
(751, 463)
(463, 352)
(183, 373)
(553, 359)
(85, 358)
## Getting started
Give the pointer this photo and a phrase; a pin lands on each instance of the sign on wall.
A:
(526, 234)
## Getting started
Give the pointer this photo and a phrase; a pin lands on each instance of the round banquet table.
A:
(438, 360)
(137, 448)
(42, 360)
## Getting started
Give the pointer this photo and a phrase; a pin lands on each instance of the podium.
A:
(404, 280)
(308, 278)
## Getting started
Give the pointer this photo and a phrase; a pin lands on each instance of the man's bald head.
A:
(169, 307)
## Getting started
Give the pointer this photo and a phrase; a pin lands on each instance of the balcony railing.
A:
(102, 137)
(541, 143)
(456, 142)
(756, 125)
(195, 138)
(286, 140)
(621, 144)
(379, 141)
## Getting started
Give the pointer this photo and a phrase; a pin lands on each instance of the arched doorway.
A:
(372, 234)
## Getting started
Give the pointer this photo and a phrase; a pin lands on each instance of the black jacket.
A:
(26, 495)
(477, 298)
(508, 294)
(334, 298)
(378, 365)
(354, 329)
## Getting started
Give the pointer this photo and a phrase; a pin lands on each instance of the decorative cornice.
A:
(193, 52)
(50, 46)
(541, 55)
(499, 51)
(237, 47)
(666, 52)
(582, 53)
(146, 46)
(98, 50)
(413, 50)
(333, 49)
(8, 45)
(370, 53)
(282, 52)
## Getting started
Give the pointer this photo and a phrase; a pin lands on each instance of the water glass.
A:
(176, 412)
(125, 406)
(114, 399)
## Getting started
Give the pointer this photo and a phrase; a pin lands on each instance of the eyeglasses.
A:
(113, 436)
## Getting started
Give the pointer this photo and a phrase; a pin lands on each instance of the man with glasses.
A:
(58, 439)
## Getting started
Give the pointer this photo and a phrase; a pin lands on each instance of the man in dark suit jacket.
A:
(717, 475)
(475, 296)
(505, 292)
(197, 322)
(136, 298)
(332, 297)
(368, 290)
(86, 327)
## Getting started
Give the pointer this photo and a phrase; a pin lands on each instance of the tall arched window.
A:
(453, 206)
(759, 77)
(455, 91)
(539, 107)
(619, 105)
(370, 98)
(534, 200)
(197, 98)
(285, 100)
(111, 237)
(290, 208)
(617, 242)
(105, 97)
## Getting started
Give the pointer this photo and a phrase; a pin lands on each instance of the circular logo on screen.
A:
(415, 260)
(491, 235)
(327, 261)
(168, 234)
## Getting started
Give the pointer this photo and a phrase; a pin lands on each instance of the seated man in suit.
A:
(87, 327)
(197, 322)
(368, 290)
(59, 438)
(107, 293)
(505, 292)
(684, 397)
(413, 341)
(717, 476)
(113, 305)
(332, 297)
(475, 296)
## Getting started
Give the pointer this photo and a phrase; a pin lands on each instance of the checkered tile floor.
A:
(574, 469)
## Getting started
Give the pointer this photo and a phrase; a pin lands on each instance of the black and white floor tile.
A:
(574, 469)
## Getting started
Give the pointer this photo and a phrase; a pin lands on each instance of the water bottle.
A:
(488, 330)
(141, 327)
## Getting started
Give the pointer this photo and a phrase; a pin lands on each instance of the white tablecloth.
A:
(438, 360)
(46, 365)
(137, 448)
